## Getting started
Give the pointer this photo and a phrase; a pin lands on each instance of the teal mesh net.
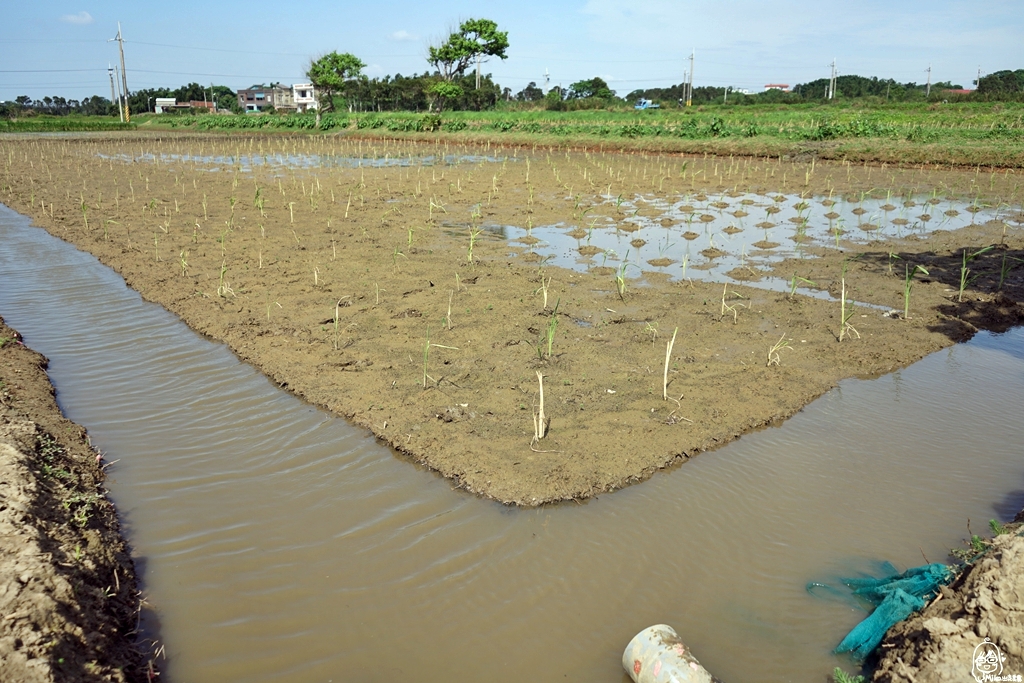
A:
(895, 596)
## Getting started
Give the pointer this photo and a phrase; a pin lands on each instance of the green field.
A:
(60, 124)
(959, 133)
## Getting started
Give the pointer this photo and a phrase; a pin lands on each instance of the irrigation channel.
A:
(278, 543)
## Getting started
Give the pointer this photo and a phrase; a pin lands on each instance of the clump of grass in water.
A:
(796, 282)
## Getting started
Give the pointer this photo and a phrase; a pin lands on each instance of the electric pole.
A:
(832, 81)
(689, 90)
(928, 87)
(126, 114)
(477, 70)
(547, 81)
(110, 72)
(117, 80)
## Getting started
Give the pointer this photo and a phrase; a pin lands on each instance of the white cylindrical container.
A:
(658, 655)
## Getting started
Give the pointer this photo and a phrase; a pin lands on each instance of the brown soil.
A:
(986, 601)
(68, 591)
(356, 289)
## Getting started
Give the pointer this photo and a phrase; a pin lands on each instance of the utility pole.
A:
(117, 80)
(689, 89)
(547, 81)
(110, 72)
(928, 88)
(686, 80)
(477, 70)
(832, 81)
(124, 80)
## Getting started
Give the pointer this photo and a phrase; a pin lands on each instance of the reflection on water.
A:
(282, 544)
(735, 237)
(247, 162)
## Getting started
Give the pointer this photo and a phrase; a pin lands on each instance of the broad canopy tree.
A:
(476, 38)
(330, 75)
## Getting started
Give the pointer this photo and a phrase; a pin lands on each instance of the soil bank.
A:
(68, 593)
(386, 291)
(985, 602)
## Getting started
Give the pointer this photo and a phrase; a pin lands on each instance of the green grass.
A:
(59, 124)
(959, 133)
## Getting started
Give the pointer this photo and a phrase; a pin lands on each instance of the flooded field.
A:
(277, 542)
(424, 300)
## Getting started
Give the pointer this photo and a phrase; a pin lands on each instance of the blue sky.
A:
(61, 48)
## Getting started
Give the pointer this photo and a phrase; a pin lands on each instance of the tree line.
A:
(455, 82)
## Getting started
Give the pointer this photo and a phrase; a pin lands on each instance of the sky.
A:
(64, 48)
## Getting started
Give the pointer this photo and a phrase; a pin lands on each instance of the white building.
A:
(305, 96)
(163, 103)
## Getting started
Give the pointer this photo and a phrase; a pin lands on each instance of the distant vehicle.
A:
(646, 104)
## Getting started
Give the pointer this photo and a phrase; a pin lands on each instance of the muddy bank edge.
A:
(69, 600)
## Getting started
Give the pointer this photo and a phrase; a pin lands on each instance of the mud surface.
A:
(68, 595)
(985, 603)
(376, 280)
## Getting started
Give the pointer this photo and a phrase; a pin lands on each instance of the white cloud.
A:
(82, 17)
(403, 36)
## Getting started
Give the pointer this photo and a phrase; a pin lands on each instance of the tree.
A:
(1002, 82)
(330, 75)
(595, 87)
(444, 91)
(475, 38)
(531, 93)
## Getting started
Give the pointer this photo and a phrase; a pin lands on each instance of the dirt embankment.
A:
(394, 294)
(69, 600)
(986, 603)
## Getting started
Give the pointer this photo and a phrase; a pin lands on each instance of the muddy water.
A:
(278, 543)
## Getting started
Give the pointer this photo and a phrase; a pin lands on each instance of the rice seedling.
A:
(394, 258)
(651, 329)
(258, 202)
(965, 272)
(543, 289)
(796, 281)
(426, 356)
(731, 308)
(845, 310)
(337, 311)
(183, 262)
(448, 316)
(552, 328)
(620, 276)
(541, 422)
(908, 287)
(1005, 269)
(773, 352)
(474, 234)
(668, 358)
(223, 289)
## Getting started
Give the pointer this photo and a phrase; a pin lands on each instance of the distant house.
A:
(260, 97)
(304, 96)
(164, 103)
(958, 91)
(784, 87)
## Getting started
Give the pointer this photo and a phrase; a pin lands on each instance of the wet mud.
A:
(400, 285)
